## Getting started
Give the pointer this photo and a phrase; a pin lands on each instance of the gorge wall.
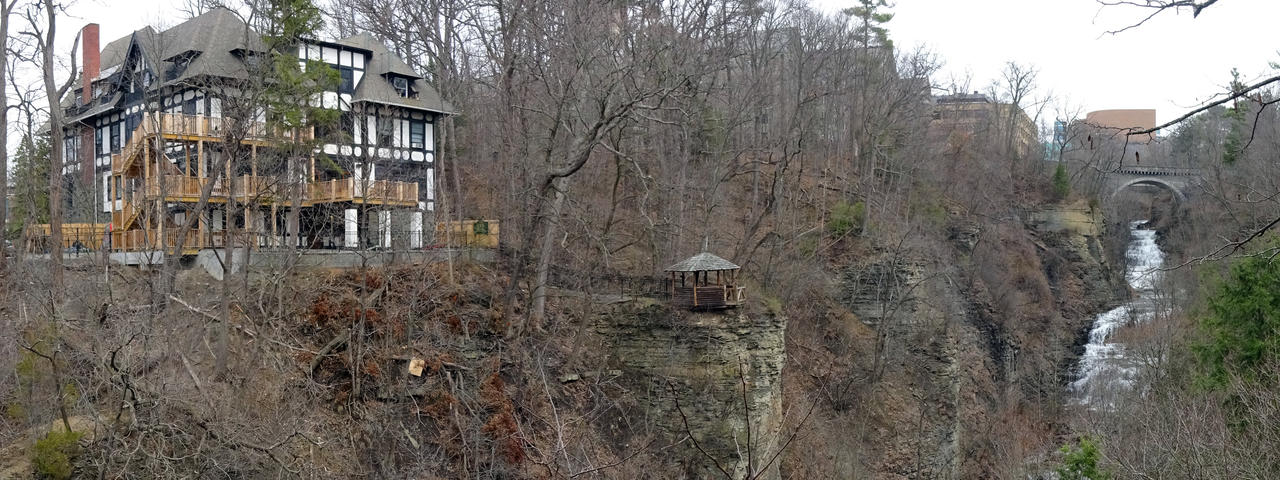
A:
(715, 377)
(952, 365)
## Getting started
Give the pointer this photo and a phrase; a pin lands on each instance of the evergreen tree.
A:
(30, 191)
(1241, 331)
(873, 17)
(1061, 182)
(1080, 461)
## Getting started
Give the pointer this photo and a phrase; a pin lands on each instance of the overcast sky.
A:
(1172, 63)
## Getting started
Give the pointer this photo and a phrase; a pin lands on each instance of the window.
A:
(131, 124)
(69, 150)
(115, 137)
(348, 83)
(417, 134)
(386, 130)
(346, 126)
(401, 85)
(97, 141)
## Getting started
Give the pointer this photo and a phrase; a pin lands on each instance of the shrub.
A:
(52, 455)
(1080, 461)
(846, 218)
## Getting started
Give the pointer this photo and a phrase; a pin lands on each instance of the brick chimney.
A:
(92, 66)
(91, 55)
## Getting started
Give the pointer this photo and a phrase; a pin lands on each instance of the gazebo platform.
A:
(695, 288)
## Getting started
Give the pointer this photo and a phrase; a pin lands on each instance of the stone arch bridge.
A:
(1178, 180)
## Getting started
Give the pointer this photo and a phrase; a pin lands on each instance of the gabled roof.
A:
(212, 37)
(214, 44)
(375, 86)
(114, 53)
(382, 60)
(703, 262)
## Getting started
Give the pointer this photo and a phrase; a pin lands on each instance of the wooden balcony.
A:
(380, 192)
(181, 188)
(201, 127)
(259, 189)
(174, 126)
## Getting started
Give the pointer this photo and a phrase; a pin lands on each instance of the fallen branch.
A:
(338, 340)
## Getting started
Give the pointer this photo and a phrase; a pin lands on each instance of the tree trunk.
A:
(53, 95)
(537, 314)
(5, 8)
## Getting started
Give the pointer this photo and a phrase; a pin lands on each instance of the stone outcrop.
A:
(712, 376)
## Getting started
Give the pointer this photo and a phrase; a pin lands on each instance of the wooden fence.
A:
(469, 233)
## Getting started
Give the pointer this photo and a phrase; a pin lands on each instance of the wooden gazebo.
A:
(696, 288)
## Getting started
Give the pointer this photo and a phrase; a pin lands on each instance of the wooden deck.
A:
(192, 128)
(266, 191)
(380, 192)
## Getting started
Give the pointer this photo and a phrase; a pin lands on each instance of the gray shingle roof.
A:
(386, 62)
(702, 262)
(375, 87)
(211, 41)
(215, 35)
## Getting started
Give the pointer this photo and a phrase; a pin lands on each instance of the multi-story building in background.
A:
(149, 127)
(976, 114)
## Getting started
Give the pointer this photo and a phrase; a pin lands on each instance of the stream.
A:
(1104, 369)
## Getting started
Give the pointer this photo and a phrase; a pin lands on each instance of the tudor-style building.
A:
(145, 134)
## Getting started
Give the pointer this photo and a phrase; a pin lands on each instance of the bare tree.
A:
(42, 20)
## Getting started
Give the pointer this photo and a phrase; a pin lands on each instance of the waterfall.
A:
(1104, 367)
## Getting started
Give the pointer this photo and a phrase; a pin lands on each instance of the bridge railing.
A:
(1158, 171)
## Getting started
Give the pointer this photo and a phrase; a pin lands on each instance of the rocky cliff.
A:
(955, 363)
(709, 383)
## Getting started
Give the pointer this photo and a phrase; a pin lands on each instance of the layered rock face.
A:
(966, 355)
(713, 376)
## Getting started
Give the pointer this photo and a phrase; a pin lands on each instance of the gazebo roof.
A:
(702, 262)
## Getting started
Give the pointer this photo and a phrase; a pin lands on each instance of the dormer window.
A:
(401, 85)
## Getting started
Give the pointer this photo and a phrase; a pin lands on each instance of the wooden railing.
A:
(380, 191)
(88, 235)
(708, 296)
(249, 187)
(129, 211)
(121, 162)
(145, 240)
(174, 124)
(388, 191)
(252, 187)
(205, 126)
(332, 190)
(178, 186)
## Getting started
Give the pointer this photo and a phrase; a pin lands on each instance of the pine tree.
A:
(30, 191)
(1061, 182)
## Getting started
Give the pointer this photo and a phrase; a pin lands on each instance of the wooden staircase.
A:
(131, 154)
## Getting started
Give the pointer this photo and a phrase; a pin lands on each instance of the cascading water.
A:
(1104, 367)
